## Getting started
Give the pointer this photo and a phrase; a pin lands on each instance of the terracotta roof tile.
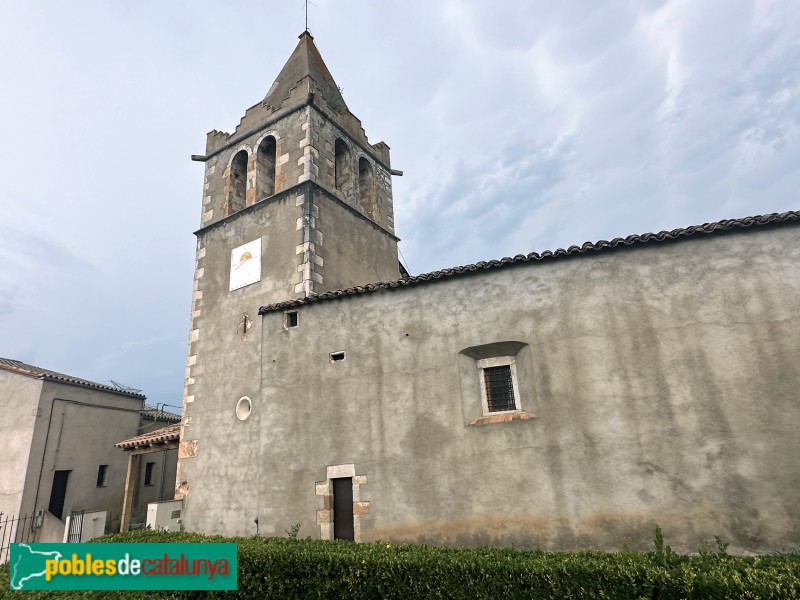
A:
(21, 368)
(586, 248)
(169, 433)
(157, 414)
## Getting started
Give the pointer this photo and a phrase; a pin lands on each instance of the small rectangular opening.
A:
(101, 475)
(292, 319)
(337, 357)
(148, 473)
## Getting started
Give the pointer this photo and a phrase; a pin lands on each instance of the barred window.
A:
(499, 391)
(499, 388)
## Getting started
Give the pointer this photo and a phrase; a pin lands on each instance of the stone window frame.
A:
(471, 363)
(325, 489)
(498, 361)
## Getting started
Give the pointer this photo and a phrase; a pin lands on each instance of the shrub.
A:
(291, 568)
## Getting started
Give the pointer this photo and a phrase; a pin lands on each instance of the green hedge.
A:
(286, 568)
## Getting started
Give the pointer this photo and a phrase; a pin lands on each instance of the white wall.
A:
(19, 400)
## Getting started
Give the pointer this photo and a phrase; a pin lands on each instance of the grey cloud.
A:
(520, 126)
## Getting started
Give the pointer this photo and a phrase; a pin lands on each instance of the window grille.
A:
(499, 388)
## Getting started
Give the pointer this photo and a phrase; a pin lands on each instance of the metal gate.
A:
(75, 527)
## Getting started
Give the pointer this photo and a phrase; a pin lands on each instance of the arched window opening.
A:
(366, 187)
(265, 168)
(341, 170)
(237, 182)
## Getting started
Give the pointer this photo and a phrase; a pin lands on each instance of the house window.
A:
(292, 319)
(498, 381)
(148, 473)
(101, 475)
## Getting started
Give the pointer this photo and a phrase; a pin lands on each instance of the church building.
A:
(558, 400)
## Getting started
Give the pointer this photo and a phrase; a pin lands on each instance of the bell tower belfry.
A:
(299, 174)
(296, 201)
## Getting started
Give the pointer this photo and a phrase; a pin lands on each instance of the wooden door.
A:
(343, 509)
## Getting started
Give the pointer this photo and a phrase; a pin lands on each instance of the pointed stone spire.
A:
(305, 63)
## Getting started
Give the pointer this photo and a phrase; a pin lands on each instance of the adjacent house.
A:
(58, 457)
(148, 449)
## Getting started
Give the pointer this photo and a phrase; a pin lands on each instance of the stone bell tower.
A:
(300, 161)
(296, 201)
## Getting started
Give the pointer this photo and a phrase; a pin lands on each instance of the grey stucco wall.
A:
(223, 358)
(663, 378)
(355, 251)
(19, 401)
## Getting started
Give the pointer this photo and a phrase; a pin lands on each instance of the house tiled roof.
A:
(21, 368)
(157, 414)
(585, 249)
(170, 433)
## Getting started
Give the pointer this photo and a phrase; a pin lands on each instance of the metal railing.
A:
(14, 530)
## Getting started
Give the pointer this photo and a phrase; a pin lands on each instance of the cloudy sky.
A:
(520, 126)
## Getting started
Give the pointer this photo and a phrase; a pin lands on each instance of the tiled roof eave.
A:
(718, 227)
(20, 368)
(171, 433)
(96, 386)
(151, 413)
